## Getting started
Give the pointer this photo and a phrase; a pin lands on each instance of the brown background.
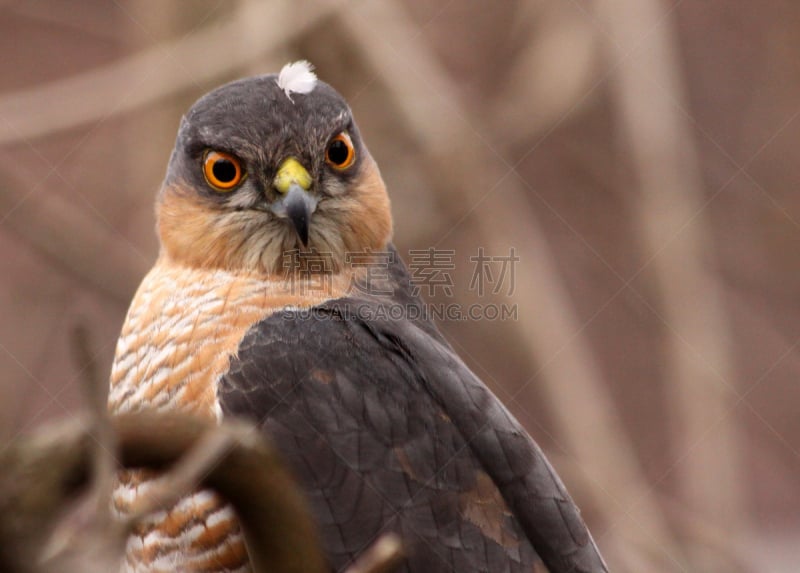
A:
(639, 155)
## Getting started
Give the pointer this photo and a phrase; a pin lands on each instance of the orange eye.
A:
(340, 153)
(222, 170)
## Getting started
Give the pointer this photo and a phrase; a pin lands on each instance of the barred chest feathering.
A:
(182, 328)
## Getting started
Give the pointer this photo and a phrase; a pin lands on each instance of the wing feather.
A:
(387, 429)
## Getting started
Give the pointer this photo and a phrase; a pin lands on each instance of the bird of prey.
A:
(256, 308)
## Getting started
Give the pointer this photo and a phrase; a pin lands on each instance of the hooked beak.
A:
(297, 204)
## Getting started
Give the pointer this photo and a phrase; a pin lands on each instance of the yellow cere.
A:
(291, 171)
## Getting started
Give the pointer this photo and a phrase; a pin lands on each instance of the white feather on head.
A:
(297, 77)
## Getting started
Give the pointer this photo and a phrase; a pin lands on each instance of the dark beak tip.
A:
(298, 206)
(303, 234)
(298, 215)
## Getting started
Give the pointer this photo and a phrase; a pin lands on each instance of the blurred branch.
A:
(722, 551)
(695, 533)
(451, 136)
(552, 74)
(650, 99)
(62, 104)
(43, 474)
(250, 477)
(80, 21)
(95, 389)
(167, 489)
(72, 241)
(384, 556)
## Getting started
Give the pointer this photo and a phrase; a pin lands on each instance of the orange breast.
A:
(182, 328)
(199, 533)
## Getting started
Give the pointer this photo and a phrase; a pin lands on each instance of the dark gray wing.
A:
(387, 429)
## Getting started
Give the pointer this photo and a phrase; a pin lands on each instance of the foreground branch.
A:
(43, 477)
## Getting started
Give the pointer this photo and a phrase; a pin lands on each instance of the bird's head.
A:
(269, 165)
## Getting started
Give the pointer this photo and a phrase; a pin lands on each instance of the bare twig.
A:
(186, 475)
(96, 392)
(87, 537)
(250, 477)
(383, 556)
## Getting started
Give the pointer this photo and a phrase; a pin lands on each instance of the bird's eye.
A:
(222, 170)
(340, 153)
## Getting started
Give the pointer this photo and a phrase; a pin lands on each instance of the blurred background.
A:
(639, 156)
